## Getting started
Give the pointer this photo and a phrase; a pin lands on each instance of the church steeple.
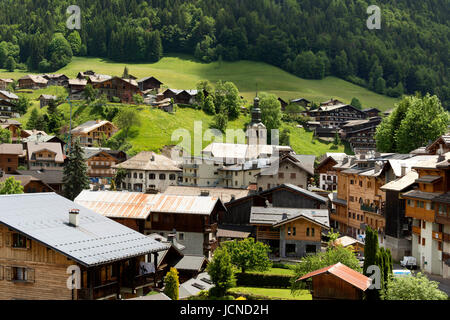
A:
(256, 111)
(256, 130)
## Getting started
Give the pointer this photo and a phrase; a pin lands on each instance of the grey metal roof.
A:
(301, 190)
(45, 175)
(44, 217)
(189, 289)
(274, 215)
(192, 262)
(443, 198)
(158, 296)
(428, 179)
(420, 195)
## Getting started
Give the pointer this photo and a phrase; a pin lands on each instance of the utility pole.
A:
(70, 127)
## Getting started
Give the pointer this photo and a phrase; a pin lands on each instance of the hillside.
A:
(309, 38)
(183, 72)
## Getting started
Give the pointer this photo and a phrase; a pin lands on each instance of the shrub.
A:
(263, 280)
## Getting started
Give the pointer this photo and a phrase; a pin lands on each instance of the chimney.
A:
(403, 170)
(268, 204)
(74, 218)
(172, 238)
(285, 216)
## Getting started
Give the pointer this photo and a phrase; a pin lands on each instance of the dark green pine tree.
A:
(371, 257)
(75, 173)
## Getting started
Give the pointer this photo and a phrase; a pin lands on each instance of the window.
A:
(281, 175)
(152, 176)
(172, 177)
(293, 175)
(307, 232)
(360, 183)
(141, 176)
(181, 236)
(424, 224)
(162, 176)
(312, 232)
(290, 248)
(294, 231)
(423, 241)
(351, 181)
(21, 274)
(155, 217)
(19, 241)
(135, 175)
(289, 231)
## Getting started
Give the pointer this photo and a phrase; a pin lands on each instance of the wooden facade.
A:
(149, 83)
(117, 87)
(328, 286)
(9, 163)
(33, 271)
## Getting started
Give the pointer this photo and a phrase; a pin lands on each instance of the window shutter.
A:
(1, 272)
(30, 275)
(8, 239)
(28, 243)
(8, 273)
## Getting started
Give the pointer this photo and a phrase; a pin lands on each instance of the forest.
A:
(309, 38)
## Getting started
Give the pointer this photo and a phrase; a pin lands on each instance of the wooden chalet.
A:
(76, 87)
(193, 219)
(302, 102)
(9, 157)
(92, 132)
(337, 282)
(13, 126)
(335, 115)
(45, 155)
(124, 89)
(42, 244)
(290, 232)
(149, 83)
(56, 79)
(52, 178)
(100, 162)
(372, 112)
(182, 96)
(328, 179)
(360, 134)
(8, 96)
(8, 110)
(32, 82)
(29, 183)
(45, 99)
(4, 83)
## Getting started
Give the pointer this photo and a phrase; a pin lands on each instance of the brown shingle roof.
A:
(149, 161)
(8, 148)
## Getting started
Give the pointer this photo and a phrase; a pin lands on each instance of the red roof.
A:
(345, 273)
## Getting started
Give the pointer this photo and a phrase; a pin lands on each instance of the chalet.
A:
(193, 219)
(428, 207)
(302, 102)
(291, 232)
(45, 99)
(45, 237)
(7, 110)
(328, 179)
(346, 242)
(9, 157)
(240, 175)
(335, 115)
(337, 282)
(331, 102)
(285, 196)
(13, 126)
(91, 133)
(372, 112)
(289, 169)
(360, 134)
(181, 96)
(440, 145)
(4, 83)
(32, 82)
(194, 286)
(124, 89)
(326, 133)
(149, 83)
(45, 155)
(149, 171)
(32, 136)
(30, 184)
(56, 80)
(8, 96)
(76, 88)
(52, 178)
(85, 74)
(100, 162)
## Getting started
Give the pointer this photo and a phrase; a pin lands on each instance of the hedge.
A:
(263, 280)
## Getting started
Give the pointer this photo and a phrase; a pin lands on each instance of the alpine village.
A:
(218, 150)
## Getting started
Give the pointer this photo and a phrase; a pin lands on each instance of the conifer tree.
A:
(172, 284)
(75, 173)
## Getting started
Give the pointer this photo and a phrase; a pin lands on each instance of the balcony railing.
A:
(99, 292)
(268, 235)
(367, 208)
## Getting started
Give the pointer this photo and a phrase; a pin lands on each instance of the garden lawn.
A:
(281, 294)
(277, 271)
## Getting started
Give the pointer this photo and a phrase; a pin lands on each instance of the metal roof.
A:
(274, 215)
(224, 194)
(189, 287)
(44, 217)
(402, 183)
(345, 273)
(138, 205)
(192, 263)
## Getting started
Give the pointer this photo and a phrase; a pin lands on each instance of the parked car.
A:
(409, 262)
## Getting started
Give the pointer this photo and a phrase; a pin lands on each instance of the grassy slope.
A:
(273, 293)
(277, 271)
(182, 72)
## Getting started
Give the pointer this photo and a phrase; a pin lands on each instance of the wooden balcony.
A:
(139, 281)
(99, 292)
(416, 230)
(267, 235)
(442, 219)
